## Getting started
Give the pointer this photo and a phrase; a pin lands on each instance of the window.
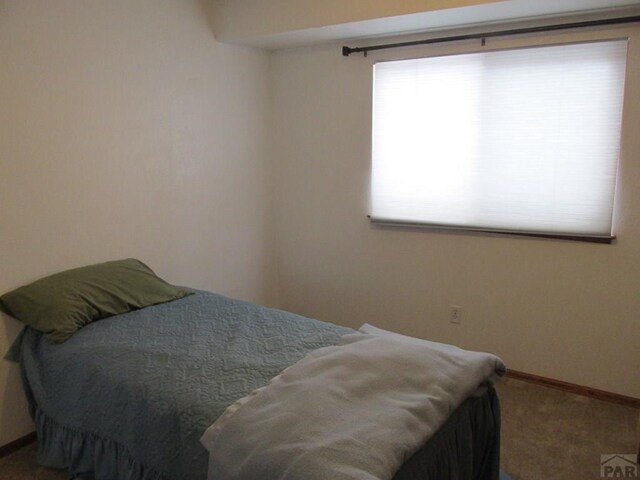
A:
(522, 141)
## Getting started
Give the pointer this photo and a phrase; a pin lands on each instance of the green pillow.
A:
(61, 304)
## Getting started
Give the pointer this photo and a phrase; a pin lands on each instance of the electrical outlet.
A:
(455, 313)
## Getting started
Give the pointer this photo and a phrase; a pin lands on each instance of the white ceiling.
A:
(504, 11)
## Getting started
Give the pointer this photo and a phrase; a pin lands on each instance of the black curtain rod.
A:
(346, 51)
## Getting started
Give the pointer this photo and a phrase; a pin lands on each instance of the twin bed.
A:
(129, 397)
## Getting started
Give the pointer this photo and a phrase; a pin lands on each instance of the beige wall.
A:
(560, 309)
(126, 130)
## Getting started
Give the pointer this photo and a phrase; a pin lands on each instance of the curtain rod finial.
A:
(346, 51)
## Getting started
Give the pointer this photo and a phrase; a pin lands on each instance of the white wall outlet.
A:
(455, 313)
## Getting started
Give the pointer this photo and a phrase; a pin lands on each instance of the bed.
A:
(129, 397)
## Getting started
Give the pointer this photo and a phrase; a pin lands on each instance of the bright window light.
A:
(523, 141)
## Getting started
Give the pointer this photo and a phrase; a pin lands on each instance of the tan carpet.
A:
(546, 435)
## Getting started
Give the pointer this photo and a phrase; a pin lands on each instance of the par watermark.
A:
(619, 465)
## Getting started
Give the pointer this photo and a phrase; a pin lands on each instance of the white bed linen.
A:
(354, 411)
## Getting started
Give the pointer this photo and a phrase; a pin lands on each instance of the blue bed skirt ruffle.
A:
(467, 446)
(84, 454)
(452, 453)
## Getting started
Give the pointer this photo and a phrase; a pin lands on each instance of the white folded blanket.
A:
(354, 411)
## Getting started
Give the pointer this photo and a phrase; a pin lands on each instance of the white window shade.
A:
(522, 140)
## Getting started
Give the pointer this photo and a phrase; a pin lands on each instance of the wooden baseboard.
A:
(576, 389)
(17, 444)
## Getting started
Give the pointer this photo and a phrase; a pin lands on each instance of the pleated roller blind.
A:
(523, 140)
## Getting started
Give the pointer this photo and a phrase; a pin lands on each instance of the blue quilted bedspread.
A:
(131, 395)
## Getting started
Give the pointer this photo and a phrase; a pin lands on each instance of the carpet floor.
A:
(549, 434)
